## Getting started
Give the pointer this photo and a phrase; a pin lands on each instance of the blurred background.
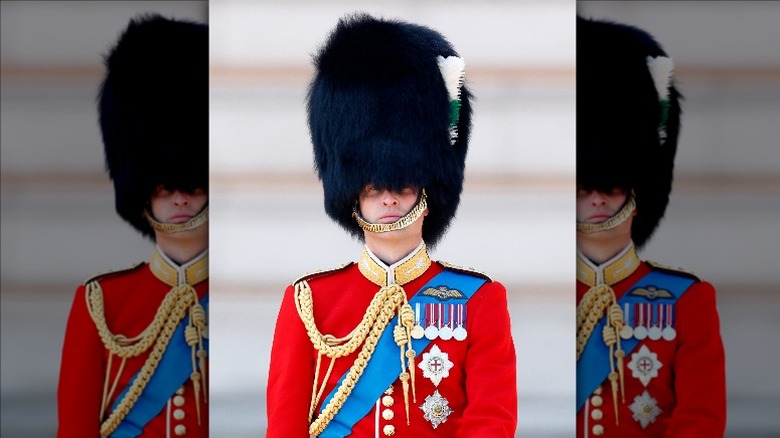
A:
(268, 225)
(57, 207)
(722, 219)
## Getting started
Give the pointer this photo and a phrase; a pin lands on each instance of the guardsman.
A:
(395, 344)
(650, 359)
(134, 359)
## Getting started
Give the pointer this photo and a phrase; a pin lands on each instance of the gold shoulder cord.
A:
(589, 312)
(172, 310)
(386, 303)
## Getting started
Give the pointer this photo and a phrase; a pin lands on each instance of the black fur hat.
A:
(379, 113)
(153, 108)
(626, 135)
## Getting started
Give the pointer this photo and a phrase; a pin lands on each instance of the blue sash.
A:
(376, 379)
(173, 370)
(593, 365)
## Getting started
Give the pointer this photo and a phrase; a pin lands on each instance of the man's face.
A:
(382, 206)
(595, 207)
(176, 206)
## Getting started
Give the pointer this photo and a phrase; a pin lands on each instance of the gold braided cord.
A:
(612, 222)
(598, 301)
(173, 309)
(118, 344)
(167, 228)
(388, 301)
(402, 223)
(589, 311)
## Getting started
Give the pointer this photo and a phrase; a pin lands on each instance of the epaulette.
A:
(670, 270)
(461, 269)
(321, 273)
(113, 272)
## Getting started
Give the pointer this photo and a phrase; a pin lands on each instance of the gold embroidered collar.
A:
(400, 272)
(172, 274)
(610, 272)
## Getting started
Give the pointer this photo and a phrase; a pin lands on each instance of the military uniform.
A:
(130, 301)
(674, 378)
(475, 375)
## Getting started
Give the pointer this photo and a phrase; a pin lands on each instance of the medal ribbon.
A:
(593, 366)
(375, 379)
(172, 371)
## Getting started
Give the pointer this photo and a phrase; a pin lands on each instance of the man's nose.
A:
(598, 199)
(180, 198)
(389, 198)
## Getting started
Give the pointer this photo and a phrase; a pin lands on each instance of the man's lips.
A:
(388, 219)
(597, 218)
(180, 218)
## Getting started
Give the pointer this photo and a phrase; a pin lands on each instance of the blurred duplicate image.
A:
(135, 351)
(394, 344)
(650, 358)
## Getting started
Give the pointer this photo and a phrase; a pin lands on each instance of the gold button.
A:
(180, 391)
(389, 430)
(597, 391)
(387, 414)
(178, 414)
(389, 391)
(387, 401)
(178, 401)
(598, 430)
(596, 401)
(180, 430)
(596, 414)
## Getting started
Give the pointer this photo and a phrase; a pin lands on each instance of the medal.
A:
(445, 331)
(417, 331)
(626, 332)
(460, 332)
(645, 409)
(655, 331)
(668, 332)
(436, 409)
(644, 365)
(435, 365)
(640, 332)
(431, 332)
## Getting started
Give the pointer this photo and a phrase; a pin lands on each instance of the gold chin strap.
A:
(402, 223)
(612, 222)
(196, 221)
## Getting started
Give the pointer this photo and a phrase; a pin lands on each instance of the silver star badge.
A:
(436, 409)
(435, 365)
(645, 409)
(644, 365)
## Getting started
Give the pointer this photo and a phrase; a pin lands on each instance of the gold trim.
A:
(402, 223)
(610, 272)
(194, 222)
(617, 219)
(166, 270)
(406, 270)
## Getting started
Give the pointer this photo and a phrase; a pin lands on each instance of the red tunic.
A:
(480, 388)
(690, 387)
(131, 299)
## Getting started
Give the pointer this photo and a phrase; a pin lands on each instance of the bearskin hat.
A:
(379, 112)
(153, 109)
(628, 118)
